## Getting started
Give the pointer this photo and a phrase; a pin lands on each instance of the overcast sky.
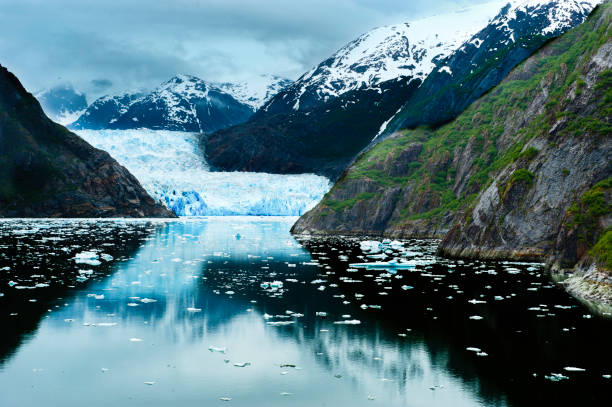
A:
(112, 45)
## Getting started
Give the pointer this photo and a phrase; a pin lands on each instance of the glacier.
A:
(170, 166)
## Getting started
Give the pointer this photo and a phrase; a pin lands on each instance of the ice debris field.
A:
(171, 167)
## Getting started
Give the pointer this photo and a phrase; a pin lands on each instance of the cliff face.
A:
(47, 171)
(514, 176)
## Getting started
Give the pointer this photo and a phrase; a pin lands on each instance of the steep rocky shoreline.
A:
(522, 174)
(47, 171)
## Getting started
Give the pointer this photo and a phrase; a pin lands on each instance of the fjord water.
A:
(179, 308)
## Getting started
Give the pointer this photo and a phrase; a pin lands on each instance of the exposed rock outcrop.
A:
(47, 171)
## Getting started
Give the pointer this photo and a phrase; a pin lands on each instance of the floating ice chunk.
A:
(276, 284)
(573, 369)
(371, 397)
(606, 376)
(348, 322)
(482, 354)
(474, 301)
(132, 304)
(321, 288)
(476, 317)
(285, 394)
(230, 292)
(87, 257)
(242, 364)
(191, 309)
(371, 246)
(217, 349)
(86, 272)
(265, 285)
(12, 283)
(104, 370)
(106, 257)
(149, 383)
(556, 377)
(225, 398)
(148, 300)
(407, 287)
(136, 340)
(105, 324)
(321, 314)
(472, 349)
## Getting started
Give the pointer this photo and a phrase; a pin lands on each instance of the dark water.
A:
(138, 330)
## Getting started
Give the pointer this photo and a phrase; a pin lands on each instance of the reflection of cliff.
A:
(40, 252)
(524, 328)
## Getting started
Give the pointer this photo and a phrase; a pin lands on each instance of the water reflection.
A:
(140, 330)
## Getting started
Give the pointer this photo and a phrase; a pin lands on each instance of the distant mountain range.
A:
(183, 103)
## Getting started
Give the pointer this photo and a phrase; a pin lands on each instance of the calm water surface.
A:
(174, 315)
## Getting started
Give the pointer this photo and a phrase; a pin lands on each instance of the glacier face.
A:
(169, 165)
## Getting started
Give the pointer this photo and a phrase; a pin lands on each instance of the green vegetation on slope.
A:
(479, 130)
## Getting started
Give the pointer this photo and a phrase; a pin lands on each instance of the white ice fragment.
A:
(191, 309)
(348, 322)
(148, 300)
(242, 364)
(573, 369)
(476, 317)
(136, 340)
(217, 349)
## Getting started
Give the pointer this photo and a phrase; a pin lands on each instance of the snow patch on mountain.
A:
(387, 53)
(558, 17)
(170, 166)
(255, 91)
(560, 12)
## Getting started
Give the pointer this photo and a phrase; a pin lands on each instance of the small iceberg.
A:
(390, 265)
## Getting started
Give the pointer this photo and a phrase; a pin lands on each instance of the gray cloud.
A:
(133, 44)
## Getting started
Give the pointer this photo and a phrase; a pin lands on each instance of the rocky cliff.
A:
(523, 173)
(47, 171)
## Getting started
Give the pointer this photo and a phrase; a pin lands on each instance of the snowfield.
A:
(170, 166)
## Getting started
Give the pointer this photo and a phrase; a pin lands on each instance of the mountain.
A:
(524, 173)
(257, 91)
(435, 67)
(105, 111)
(482, 62)
(338, 106)
(183, 103)
(383, 54)
(62, 103)
(47, 171)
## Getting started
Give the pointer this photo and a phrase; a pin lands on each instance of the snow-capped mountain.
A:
(328, 116)
(385, 53)
(520, 28)
(62, 103)
(105, 111)
(183, 103)
(257, 91)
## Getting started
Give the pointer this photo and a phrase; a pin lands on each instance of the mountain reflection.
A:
(182, 302)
